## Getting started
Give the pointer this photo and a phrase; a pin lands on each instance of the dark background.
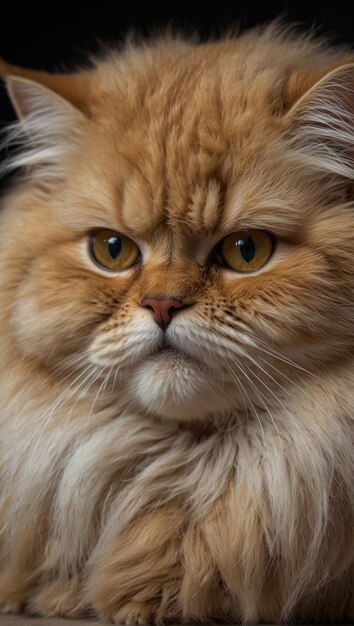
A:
(51, 33)
(55, 35)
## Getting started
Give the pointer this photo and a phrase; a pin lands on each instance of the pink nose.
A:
(162, 309)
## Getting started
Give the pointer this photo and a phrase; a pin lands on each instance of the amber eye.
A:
(246, 251)
(113, 251)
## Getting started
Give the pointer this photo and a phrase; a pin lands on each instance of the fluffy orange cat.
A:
(176, 334)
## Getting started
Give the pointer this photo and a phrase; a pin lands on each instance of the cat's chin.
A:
(175, 386)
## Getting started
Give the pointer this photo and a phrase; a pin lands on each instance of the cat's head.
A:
(185, 230)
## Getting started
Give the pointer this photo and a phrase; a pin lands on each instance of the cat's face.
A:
(178, 169)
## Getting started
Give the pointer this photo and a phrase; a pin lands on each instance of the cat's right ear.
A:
(52, 111)
(74, 88)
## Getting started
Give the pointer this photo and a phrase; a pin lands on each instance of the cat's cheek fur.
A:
(52, 332)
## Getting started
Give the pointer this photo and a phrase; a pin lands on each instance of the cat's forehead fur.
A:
(177, 130)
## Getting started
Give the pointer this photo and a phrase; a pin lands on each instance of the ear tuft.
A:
(30, 99)
(75, 87)
(301, 81)
(323, 122)
(48, 128)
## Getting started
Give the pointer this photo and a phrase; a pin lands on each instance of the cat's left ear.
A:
(321, 117)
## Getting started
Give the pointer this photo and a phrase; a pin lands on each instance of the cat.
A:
(176, 334)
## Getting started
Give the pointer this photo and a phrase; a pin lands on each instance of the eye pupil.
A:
(114, 246)
(113, 251)
(247, 249)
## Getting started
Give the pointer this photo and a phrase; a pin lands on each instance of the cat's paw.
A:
(57, 599)
(135, 614)
(9, 605)
(12, 596)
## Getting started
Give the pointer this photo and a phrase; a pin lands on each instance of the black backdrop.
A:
(46, 34)
(55, 35)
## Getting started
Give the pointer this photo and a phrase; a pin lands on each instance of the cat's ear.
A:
(52, 110)
(301, 82)
(74, 88)
(322, 120)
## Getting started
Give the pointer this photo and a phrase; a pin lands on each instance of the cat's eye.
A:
(113, 251)
(245, 251)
